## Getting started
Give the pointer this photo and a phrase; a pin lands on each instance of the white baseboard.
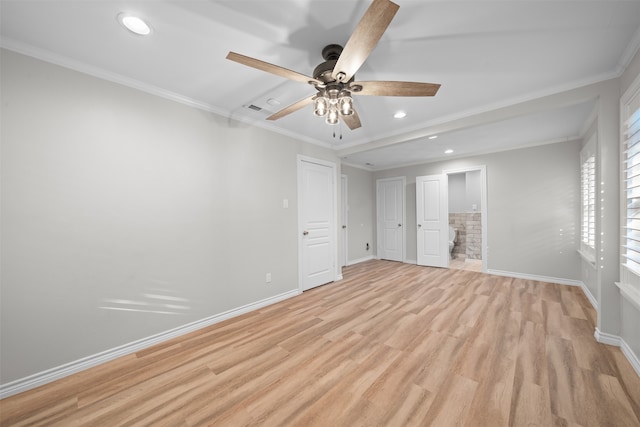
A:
(589, 295)
(560, 281)
(605, 338)
(410, 261)
(631, 356)
(53, 374)
(615, 340)
(359, 260)
(568, 282)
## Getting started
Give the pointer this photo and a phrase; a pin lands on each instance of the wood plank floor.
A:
(390, 345)
(465, 264)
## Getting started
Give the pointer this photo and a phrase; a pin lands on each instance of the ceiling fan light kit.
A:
(334, 78)
(332, 103)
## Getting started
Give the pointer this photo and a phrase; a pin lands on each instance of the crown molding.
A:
(84, 68)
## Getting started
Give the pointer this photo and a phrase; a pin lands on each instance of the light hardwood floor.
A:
(459, 263)
(391, 345)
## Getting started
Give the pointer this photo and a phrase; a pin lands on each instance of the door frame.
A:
(404, 215)
(334, 217)
(483, 208)
(344, 211)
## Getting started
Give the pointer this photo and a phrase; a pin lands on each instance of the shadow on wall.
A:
(150, 300)
(539, 226)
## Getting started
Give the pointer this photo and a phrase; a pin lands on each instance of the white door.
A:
(345, 219)
(316, 195)
(390, 201)
(432, 214)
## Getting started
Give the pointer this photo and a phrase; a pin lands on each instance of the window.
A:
(588, 200)
(632, 189)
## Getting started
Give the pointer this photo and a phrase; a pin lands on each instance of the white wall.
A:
(361, 201)
(114, 198)
(533, 208)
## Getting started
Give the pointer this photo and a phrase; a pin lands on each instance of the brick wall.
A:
(469, 240)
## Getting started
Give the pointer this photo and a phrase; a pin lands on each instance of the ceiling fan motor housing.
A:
(323, 72)
(332, 51)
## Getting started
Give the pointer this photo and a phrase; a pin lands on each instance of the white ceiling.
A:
(486, 54)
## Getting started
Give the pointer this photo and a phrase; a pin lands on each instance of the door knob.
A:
(344, 226)
(399, 225)
(419, 225)
(305, 232)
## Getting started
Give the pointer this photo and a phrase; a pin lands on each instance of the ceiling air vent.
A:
(254, 107)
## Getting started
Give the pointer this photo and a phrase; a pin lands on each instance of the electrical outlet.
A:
(268, 278)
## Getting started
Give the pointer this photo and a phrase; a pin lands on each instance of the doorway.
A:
(468, 217)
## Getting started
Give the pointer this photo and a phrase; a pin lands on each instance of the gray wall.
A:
(533, 207)
(457, 193)
(114, 198)
(473, 190)
(588, 271)
(361, 202)
(464, 192)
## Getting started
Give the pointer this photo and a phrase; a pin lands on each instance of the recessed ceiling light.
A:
(433, 136)
(400, 115)
(273, 102)
(449, 151)
(134, 24)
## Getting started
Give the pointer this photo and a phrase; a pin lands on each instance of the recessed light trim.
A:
(273, 102)
(400, 115)
(134, 24)
(433, 136)
(449, 151)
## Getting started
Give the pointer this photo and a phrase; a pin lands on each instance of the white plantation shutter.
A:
(588, 199)
(632, 187)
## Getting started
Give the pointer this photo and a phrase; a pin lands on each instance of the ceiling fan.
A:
(334, 78)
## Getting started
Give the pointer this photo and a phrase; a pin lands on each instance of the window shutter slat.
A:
(631, 167)
(587, 179)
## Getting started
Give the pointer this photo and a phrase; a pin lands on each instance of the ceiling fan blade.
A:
(353, 121)
(270, 68)
(385, 88)
(364, 38)
(292, 108)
